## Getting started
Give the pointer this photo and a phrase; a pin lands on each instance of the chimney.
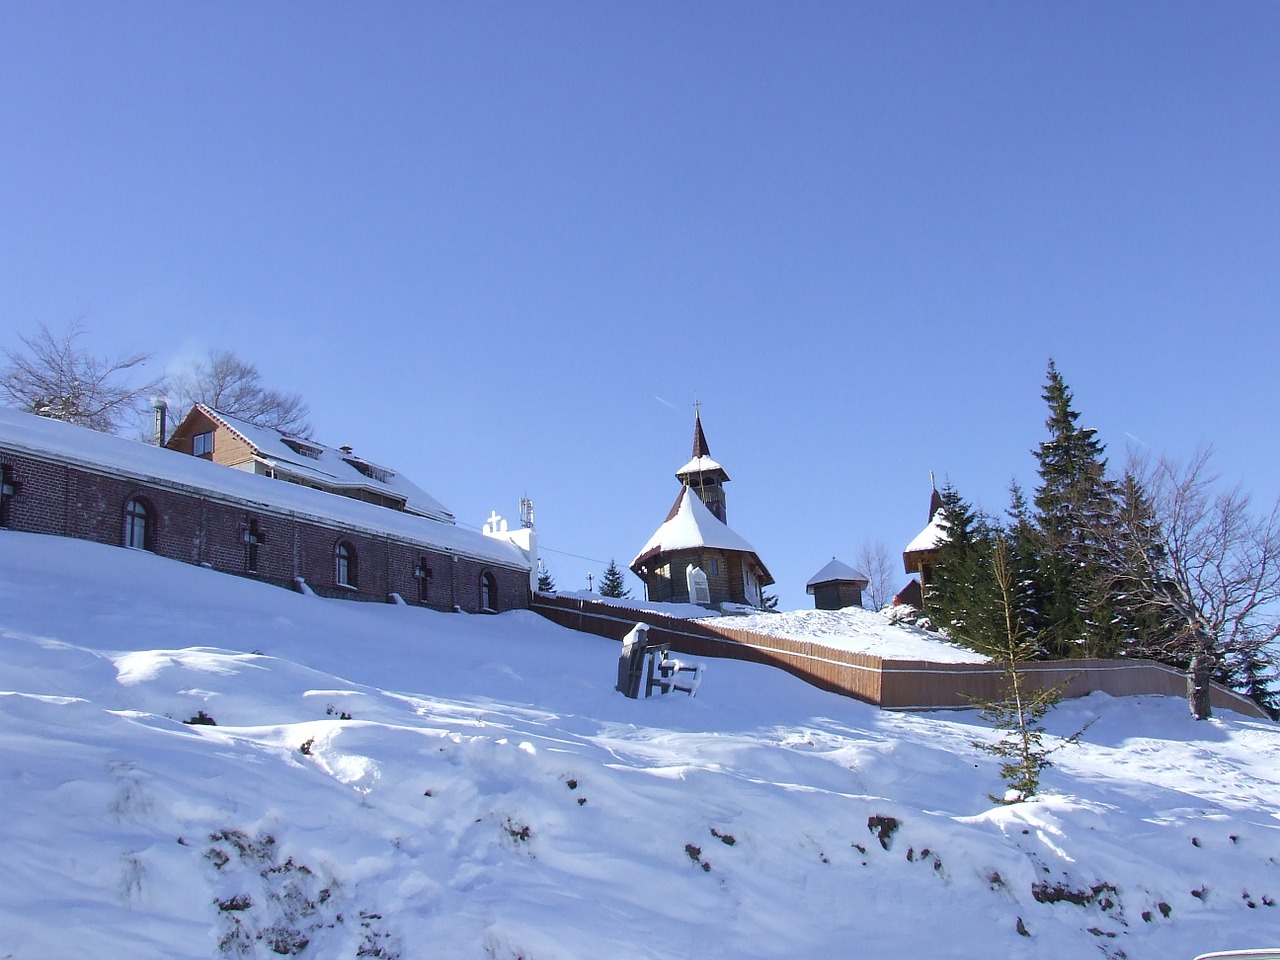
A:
(162, 412)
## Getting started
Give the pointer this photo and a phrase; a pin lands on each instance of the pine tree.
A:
(612, 583)
(1076, 617)
(546, 582)
(959, 587)
(996, 627)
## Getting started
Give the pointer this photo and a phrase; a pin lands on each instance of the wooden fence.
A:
(891, 684)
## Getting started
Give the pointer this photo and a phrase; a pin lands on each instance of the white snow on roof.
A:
(91, 450)
(332, 467)
(932, 536)
(701, 465)
(835, 570)
(694, 526)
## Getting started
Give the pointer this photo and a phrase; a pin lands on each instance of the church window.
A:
(7, 488)
(488, 592)
(715, 568)
(252, 543)
(139, 525)
(423, 574)
(344, 564)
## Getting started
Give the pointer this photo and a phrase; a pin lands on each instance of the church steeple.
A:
(703, 475)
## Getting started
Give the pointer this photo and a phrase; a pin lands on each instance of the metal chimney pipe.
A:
(162, 410)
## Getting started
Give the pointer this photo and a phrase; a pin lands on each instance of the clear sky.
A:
(502, 247)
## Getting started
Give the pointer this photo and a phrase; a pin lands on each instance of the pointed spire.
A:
(935, 501)
(700, 448)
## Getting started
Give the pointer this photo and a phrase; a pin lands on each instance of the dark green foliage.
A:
(612, 583)
(995, 626)
(1074, 503)
(546, 582)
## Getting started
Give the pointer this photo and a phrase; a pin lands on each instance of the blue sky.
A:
(502, 247)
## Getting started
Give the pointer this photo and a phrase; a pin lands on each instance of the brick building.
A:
(65, 480)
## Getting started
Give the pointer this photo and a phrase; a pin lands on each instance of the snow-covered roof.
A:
(91, 450)
(331, 467)
(691, 525)
(835, 570)
(931, 537)
(701, 465)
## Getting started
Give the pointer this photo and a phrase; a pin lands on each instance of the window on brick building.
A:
(344, 564)
(488, 591)
(7, 488)
(139, 525)
(202, 444)
(252, 543)
(423, 574)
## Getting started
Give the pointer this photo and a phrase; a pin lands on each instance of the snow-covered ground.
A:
(862, 631)
(855, 629)
(491, 796)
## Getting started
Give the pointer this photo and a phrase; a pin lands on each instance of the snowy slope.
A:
(492, 797)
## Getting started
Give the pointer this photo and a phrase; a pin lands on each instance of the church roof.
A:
(931, 537)
(102, 452)
(691, 525)
(335, 469)
(832, 572)
(701, 462)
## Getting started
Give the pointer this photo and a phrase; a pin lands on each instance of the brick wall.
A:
(53, 498)
(892, 684)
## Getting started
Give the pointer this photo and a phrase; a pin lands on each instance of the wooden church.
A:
(694, 557)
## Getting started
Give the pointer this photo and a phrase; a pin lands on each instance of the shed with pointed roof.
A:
(836, 586)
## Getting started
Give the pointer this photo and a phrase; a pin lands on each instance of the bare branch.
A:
(874, 565)
(55, 377)
(233, 386)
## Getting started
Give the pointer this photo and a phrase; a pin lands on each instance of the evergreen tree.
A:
(1073, 503)
(612, 583)
(546, 582)
(1019, 712)
(959, 586)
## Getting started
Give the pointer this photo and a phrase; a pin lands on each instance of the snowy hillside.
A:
(491, 796)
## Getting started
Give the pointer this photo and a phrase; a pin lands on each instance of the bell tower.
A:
(703, 475)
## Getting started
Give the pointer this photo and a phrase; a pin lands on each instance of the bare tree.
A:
(1200, 564)
(54, 376)
(233, 386)
(874, 565)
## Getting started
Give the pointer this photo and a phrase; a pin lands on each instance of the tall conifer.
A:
(1076, 617)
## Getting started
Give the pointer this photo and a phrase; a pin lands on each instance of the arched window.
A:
(488, 591)
(139, 529)
(344, 564)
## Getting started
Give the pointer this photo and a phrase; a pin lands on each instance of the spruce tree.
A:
(612, 583)
(959, 584)
(546, 582)
(1076, 617)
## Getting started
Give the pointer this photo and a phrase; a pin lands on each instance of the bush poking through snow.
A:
(695, 854)
(884, 828)
(201, 719)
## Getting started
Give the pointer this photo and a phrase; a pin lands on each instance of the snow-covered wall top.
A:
(88, 449)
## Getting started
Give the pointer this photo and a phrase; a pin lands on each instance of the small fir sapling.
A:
(612, 583)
